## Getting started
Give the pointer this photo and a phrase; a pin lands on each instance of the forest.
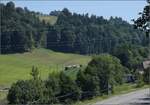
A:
(22, 30)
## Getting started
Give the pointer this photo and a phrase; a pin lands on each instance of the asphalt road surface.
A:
(140, 97)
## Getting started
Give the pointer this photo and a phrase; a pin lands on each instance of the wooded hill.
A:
(23, 30)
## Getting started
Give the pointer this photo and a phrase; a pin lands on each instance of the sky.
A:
(127, 9)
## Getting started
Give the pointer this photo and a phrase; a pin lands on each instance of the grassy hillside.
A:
(18, 66)
(48, 19)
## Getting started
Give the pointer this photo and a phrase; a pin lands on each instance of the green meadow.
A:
(48, 19)
(14, 67)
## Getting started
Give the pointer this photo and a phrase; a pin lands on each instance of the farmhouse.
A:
(140, 68)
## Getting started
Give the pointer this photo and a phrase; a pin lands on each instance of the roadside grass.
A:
(15, 67)
(118, 90)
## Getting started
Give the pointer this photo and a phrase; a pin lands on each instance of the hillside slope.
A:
(14, 67)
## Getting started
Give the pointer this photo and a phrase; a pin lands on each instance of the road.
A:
(140, 97)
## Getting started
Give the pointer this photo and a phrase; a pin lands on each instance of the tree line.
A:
(93, 34)
(22, 30)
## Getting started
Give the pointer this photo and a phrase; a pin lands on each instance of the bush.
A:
(29, 91)
(52, 89)
(89, 84)
(69, 90)
(19, 93)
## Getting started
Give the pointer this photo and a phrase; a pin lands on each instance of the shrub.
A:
(29, 91)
